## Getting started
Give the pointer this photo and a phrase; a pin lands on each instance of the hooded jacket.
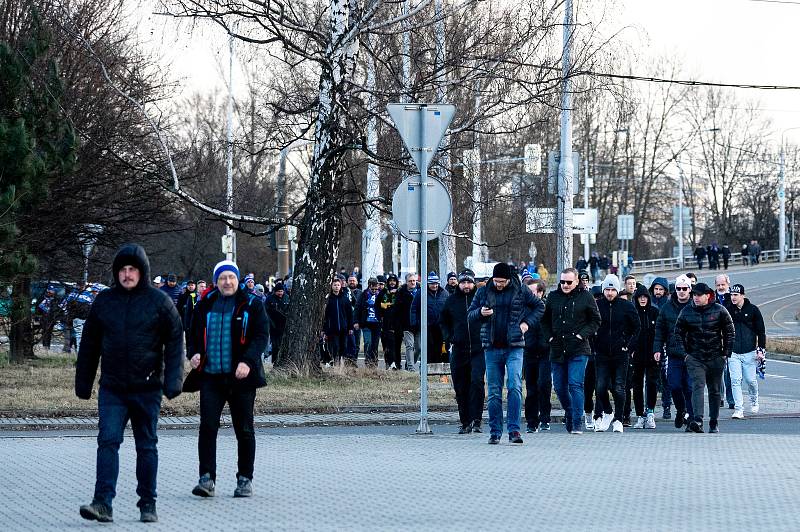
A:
(659, 301)
(618, 332)
(512, 306)
(749, 325)
(665, 338)
(648, 316)
(338, 314)
(457, 329)
(134, 335)
(706, 332)
(569, 320)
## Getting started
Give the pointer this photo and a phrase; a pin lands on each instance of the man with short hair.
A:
(505, 311)
(369, 321)
(706, 330)
(230, 332)
(570, 318)
(630, 284)
(391, 323)
(748, 349)
(184, 297)
(172, 289)
(722, 285)
(338, 324)
(538, 373)
(353, 291)
(133, 332)
(436, 299)
(405, 297)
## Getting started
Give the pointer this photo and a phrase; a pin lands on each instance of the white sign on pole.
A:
(543, 220)
(625, 227)
(533, 159)
(421, 131)
(406, 205)
(584, 221)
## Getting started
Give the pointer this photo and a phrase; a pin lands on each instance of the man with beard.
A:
(392, 326)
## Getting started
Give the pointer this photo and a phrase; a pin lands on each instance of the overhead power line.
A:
(691, 83)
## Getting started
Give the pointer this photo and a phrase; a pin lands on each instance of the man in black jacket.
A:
(134, 332)
(467, 365)
(505, 311)
(277, 307)
(614, 344)
(230, 331)
(368, 320)
(391, 323)
(748, 349)
(405, 297)
(570, 318)
(645, 368)
(706, 330)
(538, 376)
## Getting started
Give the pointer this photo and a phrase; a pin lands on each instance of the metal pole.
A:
(231, 254)
(282, 237)
(85, 266)
(680, 219)
(405, 249)
(586, 244)
(566, 170)
(782, 210)
(423, 427)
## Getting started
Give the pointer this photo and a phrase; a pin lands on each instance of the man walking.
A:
(134, 333)
(748, 349)
(369, 321)
(230, 331)
(706, 330)
(436, 298)
(277, 307)
(467, 363)
(505, 310)
(538, 374)
(405, 297)
(722, 285)
(570, 318)
(391, 323)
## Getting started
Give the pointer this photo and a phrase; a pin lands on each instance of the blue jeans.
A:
(372, 335)
(681, 385)
(743, 367)
(497, 361)
(115, 409)
(568, 382)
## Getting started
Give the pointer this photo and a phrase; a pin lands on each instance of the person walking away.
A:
(726, 255)
(229, 335)
(706, 330)
(133, 332)
(467, 363)
(614, 343)
(392, 327)
(570, 318)
(405, 297)
(538, 374)
(504, 310)
(368, 321)
(645, 368)
(669, 352)
(749, 346)
(700, 255)
(338, 324)
(277, 307)
(594, 267)
(436, 298)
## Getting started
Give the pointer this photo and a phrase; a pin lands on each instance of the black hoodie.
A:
(648, 315)
(456, 328)
(135, 335)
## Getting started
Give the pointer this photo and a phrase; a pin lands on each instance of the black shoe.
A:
(494, 440)
(731, 406)
(205, 487)
(476, 427)
(667, 413)
(679, 419)
(515, 437)
(97, 511)
(694, 426)
(713, 427)
(465, 429)
(147, 513)
(244, 487)
(722, 402)
(626, 421)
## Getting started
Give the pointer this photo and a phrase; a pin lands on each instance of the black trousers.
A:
(538, 388)
(589, 389)
(392, 340)
(468, 371)
(612, 375)
(645, 382)
(215, 391)
(704, 373)
(628, 389)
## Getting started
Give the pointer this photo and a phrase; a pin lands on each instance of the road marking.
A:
(779, 310)
(782, 377)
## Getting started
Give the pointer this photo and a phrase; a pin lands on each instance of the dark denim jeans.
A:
(497, 360)
(215, 391)
(538, 386)
(568, 382)
(372, 338)
(681, 385)
(115, 409)
(468, 383)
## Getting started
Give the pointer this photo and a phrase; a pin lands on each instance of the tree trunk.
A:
(21, 334)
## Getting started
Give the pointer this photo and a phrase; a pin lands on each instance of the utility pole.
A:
(371, 245)
(230, 252)
(782, 208)
(586, 237)
(566, 170)
(406, 251)
(680, 217)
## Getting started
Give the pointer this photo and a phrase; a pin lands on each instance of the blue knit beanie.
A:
(225, 266)
(433, 278)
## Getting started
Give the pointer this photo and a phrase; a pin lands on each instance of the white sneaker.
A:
(737, 414)
(588, 421)
(639, 423)
(650, 423)
(598, 425)
(606, 421)
(616, 426)
(754, 409)
(392, 366)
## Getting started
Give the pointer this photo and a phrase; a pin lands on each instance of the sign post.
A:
(422, 127)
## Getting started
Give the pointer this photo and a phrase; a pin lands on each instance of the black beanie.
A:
(502, 271)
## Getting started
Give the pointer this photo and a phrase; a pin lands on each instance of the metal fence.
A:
(671, 263)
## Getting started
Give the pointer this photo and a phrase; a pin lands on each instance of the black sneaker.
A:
(244, 487)
(544, 427)
(694, 426)
(205, 486)
(532, 429)
(97, 511)
(667, 413)
(476, 427)
(147, 512)
(465, 429)
(626, 421)
(731, 406)
(713, 427)
(515, 437)
(679, 419)
(494, 440)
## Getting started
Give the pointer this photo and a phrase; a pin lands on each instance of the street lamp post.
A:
(782, 199)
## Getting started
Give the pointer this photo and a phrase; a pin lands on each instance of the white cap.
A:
(683, 280)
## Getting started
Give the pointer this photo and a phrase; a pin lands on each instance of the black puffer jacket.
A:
(511, 308)
(618, 332)
(134, 335)
(749, 325)
(648, 316)
(665, 337)
(535, 343)
(566, 317)
(707, 332)
(456, 328)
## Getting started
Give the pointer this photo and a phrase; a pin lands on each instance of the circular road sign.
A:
(406, 209)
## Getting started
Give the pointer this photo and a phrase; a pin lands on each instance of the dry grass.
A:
(44, 387)
(786, 346)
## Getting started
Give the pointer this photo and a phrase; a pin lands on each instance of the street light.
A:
(782, 201)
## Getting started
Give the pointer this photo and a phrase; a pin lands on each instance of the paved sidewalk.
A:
(385, 479)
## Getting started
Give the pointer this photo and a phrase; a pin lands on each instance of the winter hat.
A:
(611, 281)
(259, 288)
(278, 286)
(737, 289)
(535, 276)
(391, 277)
(433, 278)
(225, 266)
(452, 275)
(501, 271)
(249, 277)
(172, 278)
(381, 279)
(466, 275)
(583, 276)
(526, 276)
(683, 280)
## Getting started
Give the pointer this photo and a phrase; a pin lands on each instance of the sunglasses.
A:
(681, 288)
(565, 282)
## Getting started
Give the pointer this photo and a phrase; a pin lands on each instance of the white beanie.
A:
(611, 281)
(683, 280)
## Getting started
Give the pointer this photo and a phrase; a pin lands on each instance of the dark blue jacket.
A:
(435, 306)
(512, 306)
(665, 337)
(338, 314)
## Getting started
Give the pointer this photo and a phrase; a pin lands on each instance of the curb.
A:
(783, 358)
